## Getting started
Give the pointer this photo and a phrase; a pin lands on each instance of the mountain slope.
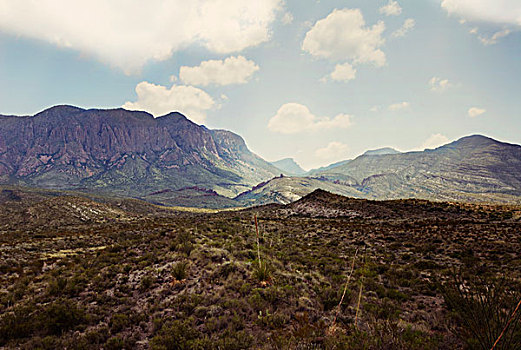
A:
(474, 168)
(471, 168)
(289, 167)
(124, 152)
(327, 168)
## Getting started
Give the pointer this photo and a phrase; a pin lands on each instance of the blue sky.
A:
(319, 81)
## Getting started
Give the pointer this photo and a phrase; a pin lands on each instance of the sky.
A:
(316, 80)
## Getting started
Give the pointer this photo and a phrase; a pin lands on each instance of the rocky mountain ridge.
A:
(124, 152)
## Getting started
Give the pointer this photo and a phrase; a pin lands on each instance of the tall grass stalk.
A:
(338, 308)
(358, 304)
(507, 325)
(258, 243)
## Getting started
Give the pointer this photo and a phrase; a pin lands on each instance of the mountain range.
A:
(125, 153)
(172, 161)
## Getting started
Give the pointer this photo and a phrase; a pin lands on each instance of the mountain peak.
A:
(477, 139)
(381, 151)
(60, 110)
(474, 142)
(289, 166)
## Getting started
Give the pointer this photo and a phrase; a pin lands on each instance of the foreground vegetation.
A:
(341, 274)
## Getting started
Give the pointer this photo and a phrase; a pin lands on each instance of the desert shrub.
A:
(97, 336)
(225, 270)
(175, 335)
(273, 321)
(46, 343)
(115, 343)
(146, 283)
(179, 270)
(182, 243)
(389, 335)
(384, 310)
(56, 286)
(19, 323)
(483, 308)
(60, 316)
(261, 272)
(234, 341)
(118, 322)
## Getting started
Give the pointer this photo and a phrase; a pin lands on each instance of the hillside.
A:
(471, 168)
(474, 168)
(124, 153)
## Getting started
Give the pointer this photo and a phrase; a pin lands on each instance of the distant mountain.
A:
(289, 167)
(381, 152)
(126, 153)
(474, 168)
(471, 168)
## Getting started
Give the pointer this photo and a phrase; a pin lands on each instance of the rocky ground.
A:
(334, 273)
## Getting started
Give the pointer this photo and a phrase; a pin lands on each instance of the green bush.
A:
(60, 316)
(261, 272)
(175, 335)
(179, 270)
(146, 283)
(118, 322)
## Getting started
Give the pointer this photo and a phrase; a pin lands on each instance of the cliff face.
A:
(121, 151)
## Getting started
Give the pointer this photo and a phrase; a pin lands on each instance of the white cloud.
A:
(492, 11)
(407, 26)
(438, 84)
(475, 111)
(159, 100)
(493, 39)
(343, 36)
(398, 106)
(434, 141)
(343, 72)
(232, 70)
(127, 34)
(391, 9)
(334, 150)
(292, 118)
(287, 18)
